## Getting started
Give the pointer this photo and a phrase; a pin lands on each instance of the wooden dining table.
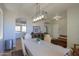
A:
(42, 48)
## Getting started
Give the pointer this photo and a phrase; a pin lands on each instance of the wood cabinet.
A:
(38, 35)
(62, 41)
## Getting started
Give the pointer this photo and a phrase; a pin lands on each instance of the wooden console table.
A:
(62, 41)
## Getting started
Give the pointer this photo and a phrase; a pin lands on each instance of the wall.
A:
(29, 25)
(1, 31)
(73, 26)
(9, 26)
(63, 25)
(55, 29)
(49, 26)
(1, 24)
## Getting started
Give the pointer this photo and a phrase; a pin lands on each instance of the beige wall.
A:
(1, 31)
(73, 26)
(63, 26)
(55, 29)
(1, 24)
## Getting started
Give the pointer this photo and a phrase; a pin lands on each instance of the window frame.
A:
(20, 29)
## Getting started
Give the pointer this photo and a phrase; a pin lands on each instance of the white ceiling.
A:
(29, 8)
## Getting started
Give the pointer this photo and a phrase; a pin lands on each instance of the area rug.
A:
(17, 53)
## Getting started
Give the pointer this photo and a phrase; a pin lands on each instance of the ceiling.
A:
(30, 10)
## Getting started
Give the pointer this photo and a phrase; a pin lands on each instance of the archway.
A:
(20, 27)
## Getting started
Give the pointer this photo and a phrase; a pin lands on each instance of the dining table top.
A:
(42, 48)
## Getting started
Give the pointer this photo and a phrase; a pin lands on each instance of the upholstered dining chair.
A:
(23, 47)
(76, 50)
(47, 38)
(28, 36)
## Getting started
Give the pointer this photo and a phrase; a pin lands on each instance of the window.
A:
(18, 28)
(23, 28)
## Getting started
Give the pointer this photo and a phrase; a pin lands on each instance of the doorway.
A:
(20, 27)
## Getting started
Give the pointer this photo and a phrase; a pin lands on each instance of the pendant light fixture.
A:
(40, 14)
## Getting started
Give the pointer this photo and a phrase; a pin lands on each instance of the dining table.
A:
(42, 48)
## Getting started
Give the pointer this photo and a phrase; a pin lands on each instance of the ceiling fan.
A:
(57, 17)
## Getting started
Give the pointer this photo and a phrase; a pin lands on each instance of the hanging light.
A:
(38, 18)
(39, 14)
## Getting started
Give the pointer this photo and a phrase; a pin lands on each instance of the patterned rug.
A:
(17, 53)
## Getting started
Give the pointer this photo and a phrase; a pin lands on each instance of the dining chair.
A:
(47, 38)
(28, 36)
(76, 50)
(23, 47)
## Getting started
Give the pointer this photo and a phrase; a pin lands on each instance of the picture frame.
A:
(36, 29)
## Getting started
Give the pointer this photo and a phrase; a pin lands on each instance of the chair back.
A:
(76, 50)
(47, 38)
(23, 47)
(28, 36)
